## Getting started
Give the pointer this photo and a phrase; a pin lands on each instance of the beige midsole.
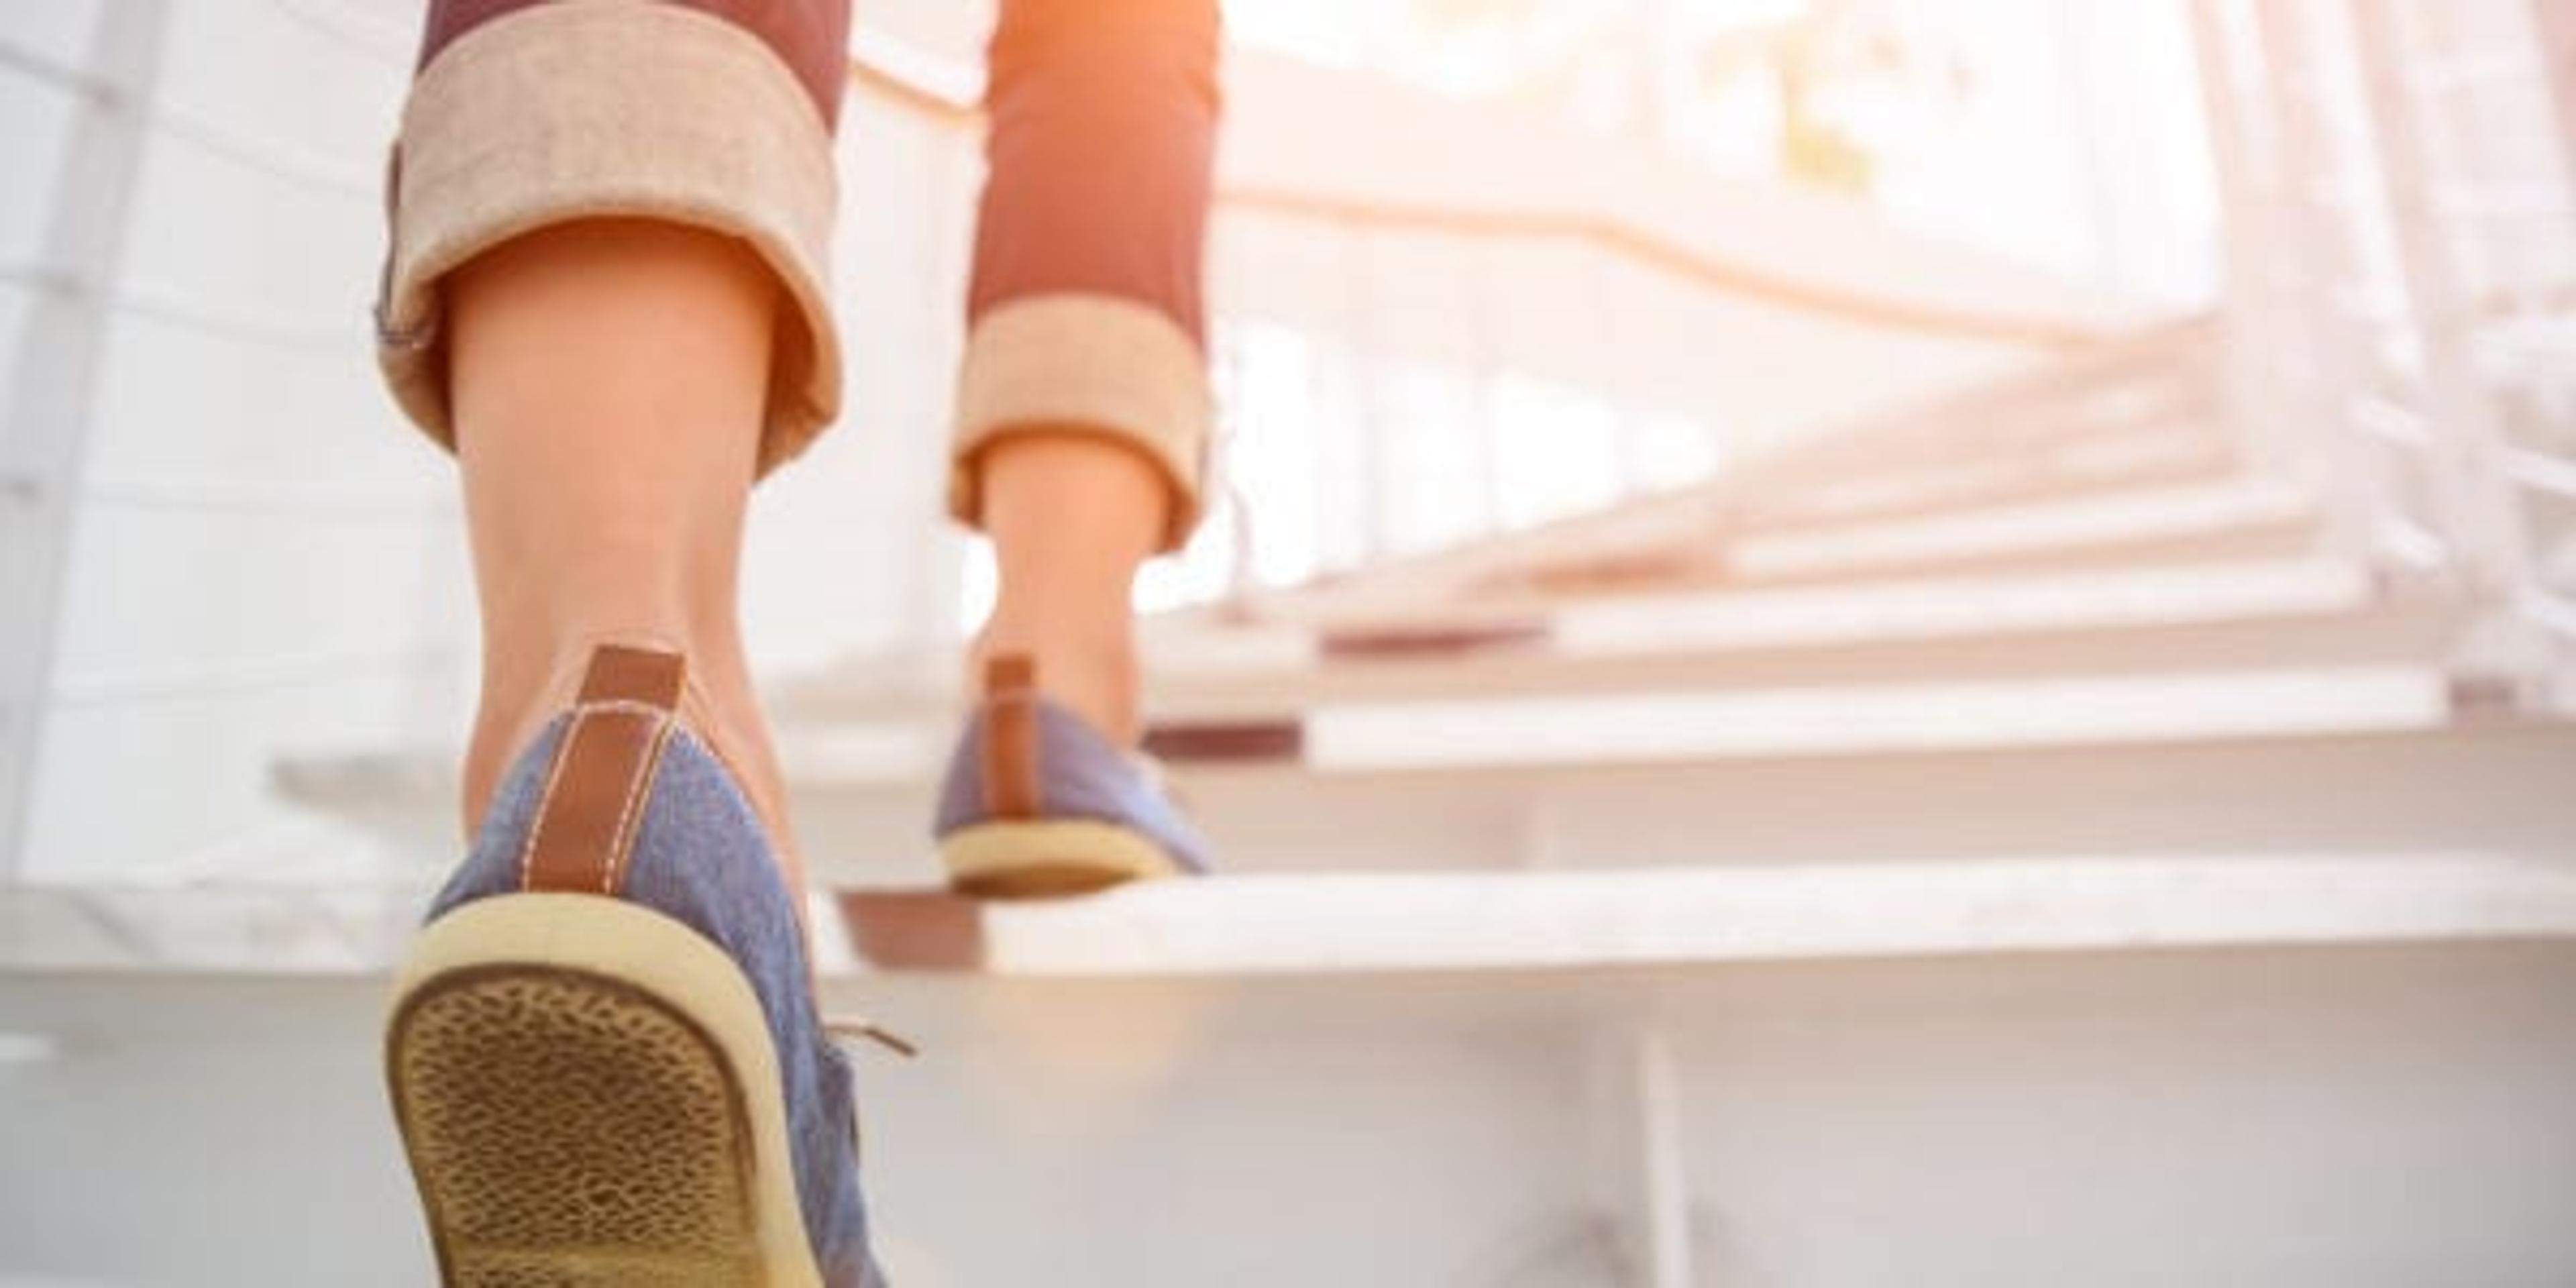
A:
(665, 958)
(992, 849)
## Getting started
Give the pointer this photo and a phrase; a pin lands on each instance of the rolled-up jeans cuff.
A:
(590, 109)
(1085, 363)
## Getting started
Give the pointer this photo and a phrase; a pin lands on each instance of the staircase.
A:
(2091, 809)
(2060, 616)
(1858, 831)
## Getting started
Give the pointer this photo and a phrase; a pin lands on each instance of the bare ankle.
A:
(718, 707)
(1091, 670)
(1072, 515)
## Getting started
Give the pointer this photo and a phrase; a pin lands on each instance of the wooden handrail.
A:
(877, 69)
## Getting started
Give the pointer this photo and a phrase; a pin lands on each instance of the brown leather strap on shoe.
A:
(1011, 736)
(603, 771)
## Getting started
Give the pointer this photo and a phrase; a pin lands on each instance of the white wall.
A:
(257, 561)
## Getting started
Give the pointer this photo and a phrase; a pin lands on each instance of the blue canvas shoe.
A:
(603, 1050)
(1037, 803)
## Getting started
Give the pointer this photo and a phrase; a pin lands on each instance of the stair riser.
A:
(2493, 790)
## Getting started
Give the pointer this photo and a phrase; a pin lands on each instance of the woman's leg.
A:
(607, 380)
(604, 292)
(1072, 517)
(1085, 410)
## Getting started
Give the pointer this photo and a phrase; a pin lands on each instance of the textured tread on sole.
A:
(588, 1093)
(570, 1128)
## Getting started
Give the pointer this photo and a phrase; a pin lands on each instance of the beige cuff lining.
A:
(1098, 363)
(612, 108)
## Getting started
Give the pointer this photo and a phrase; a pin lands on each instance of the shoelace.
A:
(858, 1029)
(849, 1032)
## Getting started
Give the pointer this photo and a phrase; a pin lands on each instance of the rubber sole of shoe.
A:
(1049, 859)
(588, 1095)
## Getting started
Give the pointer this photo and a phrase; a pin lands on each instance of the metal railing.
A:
(1382, 370)
(2402, 291)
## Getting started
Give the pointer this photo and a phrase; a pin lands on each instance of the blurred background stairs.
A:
(1756, 734)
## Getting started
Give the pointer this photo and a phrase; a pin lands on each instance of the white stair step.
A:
(863, 798)
(2256, 515)
(2223, 616)
(1701, 725)
(1948, 608)
(1689, 618)
(1589, 920)
(2497, 788)
(1567, 731)
(2162, 455)
(1345, 924)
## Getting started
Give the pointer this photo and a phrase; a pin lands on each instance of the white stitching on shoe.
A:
(621, 844)
(545, 801)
